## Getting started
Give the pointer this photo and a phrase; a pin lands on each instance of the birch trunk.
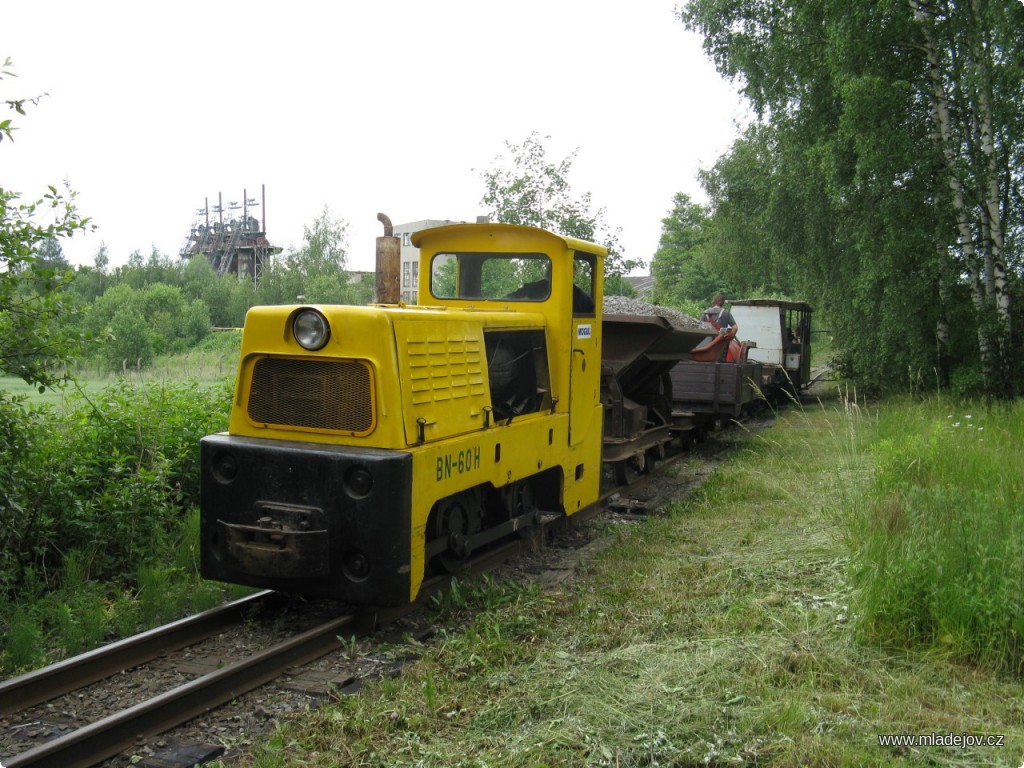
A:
(980, 268)
(995, 263)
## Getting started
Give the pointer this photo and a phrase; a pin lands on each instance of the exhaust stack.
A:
(389, 264)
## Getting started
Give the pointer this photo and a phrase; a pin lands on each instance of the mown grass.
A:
(728, 632)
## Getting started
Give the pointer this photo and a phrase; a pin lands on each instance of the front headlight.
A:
(311, 329)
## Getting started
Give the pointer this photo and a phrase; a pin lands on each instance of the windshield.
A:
(512, 276)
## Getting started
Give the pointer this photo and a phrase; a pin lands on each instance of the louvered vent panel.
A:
(444, 368)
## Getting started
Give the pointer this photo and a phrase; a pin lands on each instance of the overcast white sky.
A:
(393, 106)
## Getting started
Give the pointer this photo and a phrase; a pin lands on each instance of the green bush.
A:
(97, 502)
(131, 343)
(109, 475)
(25, 528)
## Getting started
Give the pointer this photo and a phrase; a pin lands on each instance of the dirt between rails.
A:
(227, 731)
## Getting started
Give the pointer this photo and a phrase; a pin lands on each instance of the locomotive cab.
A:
(558, 278)
(780, 336)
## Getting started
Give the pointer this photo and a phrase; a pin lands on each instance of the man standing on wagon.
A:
(718, 316)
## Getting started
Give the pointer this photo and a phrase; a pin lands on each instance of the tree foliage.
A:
(154, 305)
(527, 188)
(34, 340)
(316, 271)
(881, 180)
(681, 267)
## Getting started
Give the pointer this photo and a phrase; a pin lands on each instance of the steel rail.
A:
(47, 683)
(105, 738)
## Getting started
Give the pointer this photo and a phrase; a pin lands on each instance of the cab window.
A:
(583, 283)
(512, 276)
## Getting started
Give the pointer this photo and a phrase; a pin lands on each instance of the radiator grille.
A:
(312, 394)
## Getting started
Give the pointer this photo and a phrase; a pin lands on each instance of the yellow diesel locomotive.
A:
(369, 445)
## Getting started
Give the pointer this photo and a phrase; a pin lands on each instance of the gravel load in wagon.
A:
(642, 341)
(623, 305)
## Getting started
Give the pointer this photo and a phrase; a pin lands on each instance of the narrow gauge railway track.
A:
(48, 683)
(104, 738)
(109, 736)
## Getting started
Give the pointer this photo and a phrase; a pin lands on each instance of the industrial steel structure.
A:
(233, 240)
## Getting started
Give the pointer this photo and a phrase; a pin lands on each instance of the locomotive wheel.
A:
(519, 500)
(456, 519)
(624, 472)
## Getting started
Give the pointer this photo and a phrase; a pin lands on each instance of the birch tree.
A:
(527, 188)
(962, 46)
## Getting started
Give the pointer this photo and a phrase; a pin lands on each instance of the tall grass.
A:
(938, 542)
